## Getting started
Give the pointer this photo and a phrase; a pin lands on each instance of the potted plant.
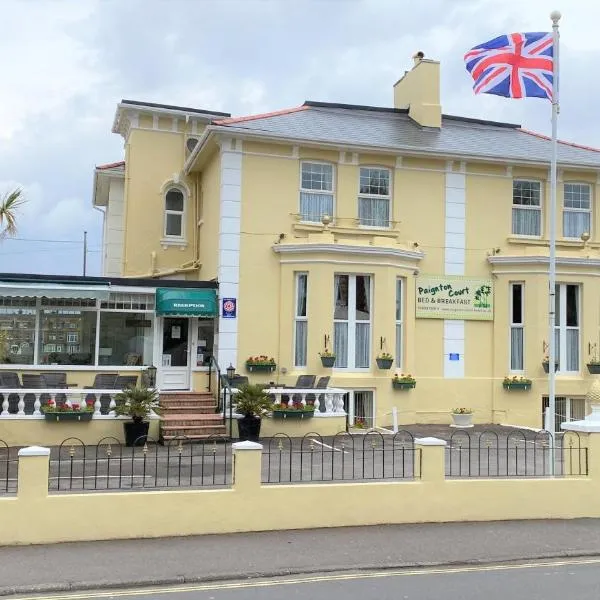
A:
(327, 358)
(546, 364)
(403, 382)
(516, 383)
(252, 403)
(260, 364)
(137, 403)
(385, 360)
(64, 411)
(594, 365)
(462, 417)
(293, 410)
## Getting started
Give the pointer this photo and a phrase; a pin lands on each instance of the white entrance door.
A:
(175, 346)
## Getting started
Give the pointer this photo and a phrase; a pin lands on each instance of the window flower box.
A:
(72, 415)
(297, 410)
(260, 364)
(516, 383)
(67, 412)
(403, 382)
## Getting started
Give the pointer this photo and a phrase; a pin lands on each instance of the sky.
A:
(66, 63)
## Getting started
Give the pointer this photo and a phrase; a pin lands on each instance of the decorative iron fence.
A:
(112, 466)
(369, 456)
(9, 464)
(517, 455)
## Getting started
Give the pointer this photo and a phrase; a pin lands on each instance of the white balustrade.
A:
(334, 398)
(72, 396)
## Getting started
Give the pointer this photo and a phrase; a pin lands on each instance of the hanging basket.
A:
(328, 361)
(384, 363)
(546, 366)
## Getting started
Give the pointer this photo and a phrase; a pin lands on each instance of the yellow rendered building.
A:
(363, 231)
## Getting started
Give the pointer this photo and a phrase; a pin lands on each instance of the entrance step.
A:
(183, 420)
(193, 431)
(187, 409)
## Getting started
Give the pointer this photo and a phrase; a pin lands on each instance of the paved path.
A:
(535, 581)
(59, 567)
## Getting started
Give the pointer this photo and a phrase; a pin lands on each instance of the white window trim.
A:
(309, 191)
(298, 318)
(376, 197)
(539, 208)
(351, 321)
(513, 325)
(578, 210)
(174, 239)
(399, 348)
(562, 328)
(351, 404)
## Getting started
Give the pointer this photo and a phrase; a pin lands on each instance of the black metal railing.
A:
(345, 456)
(223, 391)
(112, 466)
(9, 466)
(517, 455)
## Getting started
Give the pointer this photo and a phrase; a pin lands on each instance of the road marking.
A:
(310, 579)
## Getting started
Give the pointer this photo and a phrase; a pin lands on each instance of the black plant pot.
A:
(249, 428)
(328, 361)
(136, 433)
(546, 367)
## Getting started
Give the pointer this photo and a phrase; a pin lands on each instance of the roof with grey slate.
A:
(394, 130)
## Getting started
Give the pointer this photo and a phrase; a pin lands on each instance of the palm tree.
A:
(9, 204)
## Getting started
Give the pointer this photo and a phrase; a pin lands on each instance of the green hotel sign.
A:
(190, 302)
(454, 297)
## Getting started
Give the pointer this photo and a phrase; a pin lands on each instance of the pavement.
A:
(167, 561)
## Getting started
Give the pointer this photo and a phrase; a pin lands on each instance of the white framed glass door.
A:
(174, 361)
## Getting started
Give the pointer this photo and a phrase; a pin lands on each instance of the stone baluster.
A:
(329, 403)
(21, 405)
(303, 399)
(338, 402)
(5, 405)
(68, 402)
(37, 405)
(97, 406)
(277, 397)
(317, 403)
(111, 406)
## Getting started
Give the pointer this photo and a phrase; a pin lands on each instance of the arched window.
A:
(174, 213)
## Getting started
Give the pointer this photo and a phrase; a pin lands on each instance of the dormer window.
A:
(174, 212)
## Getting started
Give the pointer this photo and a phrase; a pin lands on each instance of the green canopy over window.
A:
(186, 302)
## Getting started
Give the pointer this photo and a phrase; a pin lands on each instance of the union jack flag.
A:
(515, 65)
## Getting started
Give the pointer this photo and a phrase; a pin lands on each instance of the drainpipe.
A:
(103, 236)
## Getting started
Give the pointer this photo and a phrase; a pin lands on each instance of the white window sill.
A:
(539, 241)
(173, 242)
(375, 227)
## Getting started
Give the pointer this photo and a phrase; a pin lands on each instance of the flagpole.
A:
(555, 16)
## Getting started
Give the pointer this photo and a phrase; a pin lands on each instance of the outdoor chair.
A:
(303, 382)
(35, 382)
(321, 385)
(125, 381)
(10, 380)
(55, 380)
(102, 381)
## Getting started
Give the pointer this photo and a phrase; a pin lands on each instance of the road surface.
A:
(578, 579)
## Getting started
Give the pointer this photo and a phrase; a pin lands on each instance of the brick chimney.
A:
(419, 91)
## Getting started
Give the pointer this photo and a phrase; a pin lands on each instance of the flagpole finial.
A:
(555, 16)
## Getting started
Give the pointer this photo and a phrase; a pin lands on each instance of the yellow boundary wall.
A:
(36, 517)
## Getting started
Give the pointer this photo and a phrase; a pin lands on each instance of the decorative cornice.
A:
(324, 248)
(544, 260)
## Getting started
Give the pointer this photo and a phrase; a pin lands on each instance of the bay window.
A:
(566, 327)
(125, 339)
(516, 326)
(399, 321)
(55, 325)
(352, 321)
(300, 320)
